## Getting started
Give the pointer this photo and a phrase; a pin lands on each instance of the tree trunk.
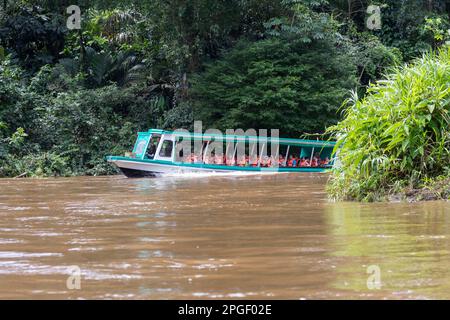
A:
(82, 51)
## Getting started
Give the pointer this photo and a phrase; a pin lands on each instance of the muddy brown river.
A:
(204, 237)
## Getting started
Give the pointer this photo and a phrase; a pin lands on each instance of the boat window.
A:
(152, 146)
(166, 148)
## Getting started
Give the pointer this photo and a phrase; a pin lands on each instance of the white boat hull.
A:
(139, 168)
(136, 169)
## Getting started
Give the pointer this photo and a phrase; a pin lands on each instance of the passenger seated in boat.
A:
(305, 163)
(218, 160)
(290, 162)
(302, 162)
(230, 161)
(324, 162)
(294, 161)
(196, 158)
(253, 161)
(316, 160)
(262, 162)
(281, 161)
(269, 161)
(241, 161)
(273, 161)
(265, 162)
(184, 159)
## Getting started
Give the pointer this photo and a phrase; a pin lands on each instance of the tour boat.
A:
(158, 152)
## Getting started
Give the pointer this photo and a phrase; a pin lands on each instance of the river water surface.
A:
(251, 237)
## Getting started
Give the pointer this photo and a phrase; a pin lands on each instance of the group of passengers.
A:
(294, 161)
(267, 161)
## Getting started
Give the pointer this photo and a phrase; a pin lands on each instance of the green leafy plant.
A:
(396, 136)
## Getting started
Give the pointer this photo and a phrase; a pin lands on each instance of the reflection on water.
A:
(410, 244)
(271, 236)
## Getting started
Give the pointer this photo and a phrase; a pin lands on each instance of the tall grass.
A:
(398, 135)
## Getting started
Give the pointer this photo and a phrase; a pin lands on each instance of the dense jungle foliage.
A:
(70, 97)
(397, 137)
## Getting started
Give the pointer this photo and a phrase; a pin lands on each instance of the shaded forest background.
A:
(70, 97)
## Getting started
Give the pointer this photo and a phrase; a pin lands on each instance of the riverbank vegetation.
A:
(70, 97)
(396, 140)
